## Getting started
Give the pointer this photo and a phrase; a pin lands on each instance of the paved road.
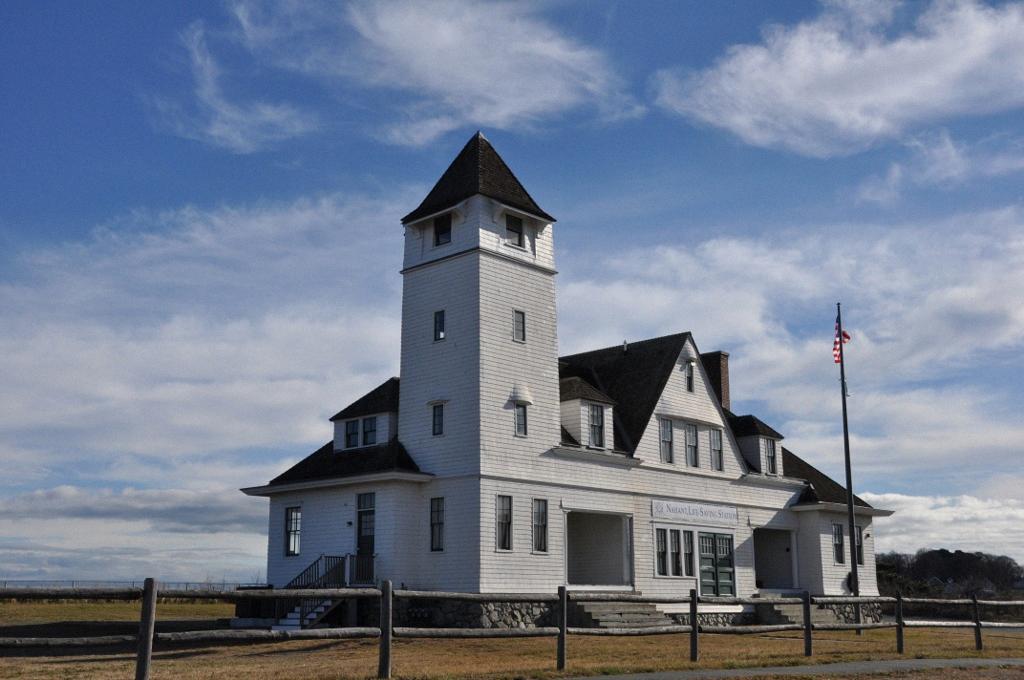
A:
(848, 668)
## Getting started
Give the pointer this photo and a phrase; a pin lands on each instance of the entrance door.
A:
(717, 568)
(365, 531)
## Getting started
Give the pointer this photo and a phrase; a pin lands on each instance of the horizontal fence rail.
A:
(150, 593)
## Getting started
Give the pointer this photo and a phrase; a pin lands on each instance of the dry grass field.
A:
(496, 659)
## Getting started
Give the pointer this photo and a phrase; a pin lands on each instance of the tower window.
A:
(688, 374)
(442, 229)
(439, 325)
(770, 458)
(292, 530)
(514, 231)
(519, 326)
(520, 420)
(436, 524)
(503, 523)
(438, 419)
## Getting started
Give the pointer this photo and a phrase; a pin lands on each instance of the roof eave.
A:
(865, 511)
(389, 476)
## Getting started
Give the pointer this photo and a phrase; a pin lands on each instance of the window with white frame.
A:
(292, 530)
(675, 552)
(519, 326)
(351, 434)
(688, 366)
(439, 331)
(661, 552)
(540, 525)
(666, 440)
(514, 231)
(717, 460)
(370, 431)
(443, 229)
(597, 426)
(437, 524)
(691, 445)
(860, 545)
(503, 523)
(437, 420)
(521, 420)
(688, 552)
(838, 544)
(771, 461)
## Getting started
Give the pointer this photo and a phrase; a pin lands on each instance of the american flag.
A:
(835, 342)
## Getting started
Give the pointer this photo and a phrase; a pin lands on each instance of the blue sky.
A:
(200, 238)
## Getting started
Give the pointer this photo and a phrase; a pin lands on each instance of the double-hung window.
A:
(436, 524)
(437, 424)
(838, 544)
(351, 434)
(443, 229)
(521, 420)
(292, 530)
(666, 440)
(717, 461)
(688, 374)
(691, 446)
(519, 326)
(439, 325)
(597, 426)
(369, 431)
(540, 525)
(675, 552)
(688, 552)
(770, 458)
(514, 231)
(661, 551)
(503, 523)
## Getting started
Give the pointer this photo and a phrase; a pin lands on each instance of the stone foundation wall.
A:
(717, 619)
(845, 613)
(462, 614)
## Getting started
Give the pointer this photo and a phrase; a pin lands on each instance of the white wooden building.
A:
(494, 465)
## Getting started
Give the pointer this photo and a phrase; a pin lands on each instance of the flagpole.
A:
(854, 581)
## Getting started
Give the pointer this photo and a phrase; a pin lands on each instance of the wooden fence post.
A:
(384, 665)
(899, 623)
(563, 625)
(694, 625)
(977, 624)
(806, 597)
(147, 626)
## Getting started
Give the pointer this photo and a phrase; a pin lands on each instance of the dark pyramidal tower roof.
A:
(478, 169)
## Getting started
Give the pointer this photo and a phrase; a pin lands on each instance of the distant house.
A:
(493, 464)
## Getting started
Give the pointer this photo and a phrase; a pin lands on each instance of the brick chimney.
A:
(716, 365)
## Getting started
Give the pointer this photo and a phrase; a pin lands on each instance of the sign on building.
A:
(699, 513)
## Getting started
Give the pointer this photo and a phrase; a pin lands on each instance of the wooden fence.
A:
(386, 631)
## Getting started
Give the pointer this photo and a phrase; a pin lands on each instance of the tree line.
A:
(930, 572)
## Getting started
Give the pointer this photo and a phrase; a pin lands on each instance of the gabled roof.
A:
(381, 399)
(821, 488)
(748, 426)
(578, 388)
(326, 463)
(478, 169)
(634, 376)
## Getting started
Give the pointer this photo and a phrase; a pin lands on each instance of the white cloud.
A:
(171, 344)
(936, 159)
(847, 79)
(965, 523)
(239, 127)
(496, 65)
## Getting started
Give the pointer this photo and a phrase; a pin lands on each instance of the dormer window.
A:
(351, 434)
(597, 426)
(514, 231)
(369, 431)
(771, 461)
(443, 229)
